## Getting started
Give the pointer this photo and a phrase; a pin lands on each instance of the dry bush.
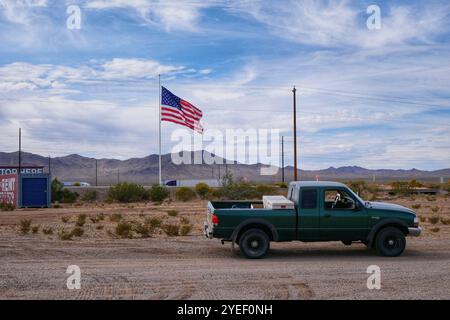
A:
(143, 229)
(124, 230)
(416, 206)
(101, 217)
(172, 213)
(35, 229)
(172, 230)
(94, 219)
(185, 220)
(99, 227)
(435, 229)
(435, 209)
(422, 219)
(202, 189)
(65, 219)
(433, 219)
(81, 220)
(64, 235)
(47, 231)
(6, 206)
(25, 226)
(185, 194)
(445, 221)
(431, 198)
(115, 217)
(77, 232)
(153, 222)
(186, 229)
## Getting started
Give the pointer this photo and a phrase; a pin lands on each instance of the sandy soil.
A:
(33, 266)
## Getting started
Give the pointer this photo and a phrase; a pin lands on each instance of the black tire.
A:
(347, 242)
(254, 243)
(390, 242)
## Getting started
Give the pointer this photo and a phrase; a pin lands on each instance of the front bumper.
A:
(414, 232)
(207, 230)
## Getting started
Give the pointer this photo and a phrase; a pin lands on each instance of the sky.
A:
(376, 98)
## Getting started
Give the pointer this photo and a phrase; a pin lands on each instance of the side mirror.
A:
(357, 206)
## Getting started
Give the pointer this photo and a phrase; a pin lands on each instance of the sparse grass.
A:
(115, 217)
(56, 206)
(35, 229)
(81, 220)
(431, 198)
(124, 230)
(185, 220)
(6, 207)
(153, 222)
(77, 232)
(186, 229)
(94, 219)
(435, 209)
(25, 226)
(65, 219)
(101, 217)
(143, 229)
(172, 213)
(64, 235)
(445, 221)
(90, 196)
(433, 219)
(435, 229)
(172, 230)
(416, 206)
(47, 231)
(422, 219)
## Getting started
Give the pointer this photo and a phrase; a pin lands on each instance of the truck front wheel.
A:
(254, 243)
(390, 242)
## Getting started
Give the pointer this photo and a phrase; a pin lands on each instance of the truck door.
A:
(342, 217)
(308, 214)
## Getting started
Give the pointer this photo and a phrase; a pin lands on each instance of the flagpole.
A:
(159, 104)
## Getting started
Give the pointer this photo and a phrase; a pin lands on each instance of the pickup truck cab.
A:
(319, 211)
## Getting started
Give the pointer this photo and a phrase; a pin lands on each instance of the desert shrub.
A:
(69, 196)
(185, 220)
(445, 221)
(215, 193)
(435, 229)
(25, 226)
(373, 197)
(64, 235)
(185, 194)
(124, 230)
(99, 227)
(143, 229)
(431, 198)
(77, 184)
(422, 219)
(35, 229)
(65, 219)
(158, 193)
(263, 189)
(81, 220)
(283, 185)
(56, 206)
(90, 196)
(237, 190)
(94, 219)
(172, 230)
(77, 232)
(416, 206)
(127, 192)
(47, 231)
(433, 219)
(153, 222)
(358, 186)
(202, 189)
(186, 229)
(435, 209)
(101, 217)
(401, 188)
(6, 206)
(115, 217)
(61, 194)
(415, 184)
(172, 213)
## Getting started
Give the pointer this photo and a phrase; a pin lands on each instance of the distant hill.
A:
(145, 170)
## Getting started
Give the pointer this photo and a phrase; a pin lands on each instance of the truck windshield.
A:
(356, 196)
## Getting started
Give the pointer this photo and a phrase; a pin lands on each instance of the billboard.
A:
(9, 186)
(6, 170)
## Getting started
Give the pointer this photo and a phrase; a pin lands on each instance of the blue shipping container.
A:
(34, 191)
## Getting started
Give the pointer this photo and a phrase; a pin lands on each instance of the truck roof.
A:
(317, 184)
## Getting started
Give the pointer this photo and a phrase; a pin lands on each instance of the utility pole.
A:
(49, 165)
(118, 176)
(219, 171)
(96, 173)
(282, 159)
(20, 151)
(294, 91)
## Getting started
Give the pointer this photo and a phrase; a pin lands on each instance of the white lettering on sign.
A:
(5, 171)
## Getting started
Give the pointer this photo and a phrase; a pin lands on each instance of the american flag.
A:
(176, 110)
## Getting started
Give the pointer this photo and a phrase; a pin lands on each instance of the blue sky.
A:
(373, 98)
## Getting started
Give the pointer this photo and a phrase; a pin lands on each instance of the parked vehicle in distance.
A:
(312, 211)
(76, 184)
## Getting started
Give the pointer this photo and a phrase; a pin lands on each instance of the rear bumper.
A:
(207, 230)
(414, 232)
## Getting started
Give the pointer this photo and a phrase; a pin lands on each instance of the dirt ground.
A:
(33, 266)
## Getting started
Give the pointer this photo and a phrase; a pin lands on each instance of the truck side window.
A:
(309, 199)
(338, 199)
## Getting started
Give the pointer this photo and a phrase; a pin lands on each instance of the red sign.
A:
(9, 186)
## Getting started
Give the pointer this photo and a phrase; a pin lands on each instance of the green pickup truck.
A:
(312, 211)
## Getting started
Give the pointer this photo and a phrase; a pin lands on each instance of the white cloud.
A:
(20, 11)
(135, 68)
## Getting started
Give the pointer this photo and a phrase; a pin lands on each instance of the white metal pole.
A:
(159, 104)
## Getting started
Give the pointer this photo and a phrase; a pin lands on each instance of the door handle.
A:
(327, 215)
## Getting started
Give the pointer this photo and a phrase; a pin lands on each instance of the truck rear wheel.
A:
(254, 243)
(390, 242)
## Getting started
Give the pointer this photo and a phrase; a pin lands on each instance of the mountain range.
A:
(145, 170)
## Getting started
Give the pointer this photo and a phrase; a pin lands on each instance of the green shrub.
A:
(263, 189)
(6, 206)
(61, 194)
(186, 229)
(127, 192)
(124, 230)
(283, 185)
(172, 213)
(47, 231)
(158, 193)
(172, 230)
(153, 222)
(69, 196)
(25, 226)
(202, 189)
(90, 196)
(143, 229)
(401, 188)
(185, 194)
(77, 232)
(81, 220)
